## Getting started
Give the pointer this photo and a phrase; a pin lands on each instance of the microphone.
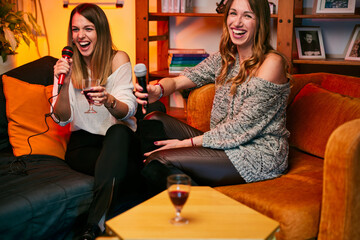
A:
(67, 53)
(140, 73)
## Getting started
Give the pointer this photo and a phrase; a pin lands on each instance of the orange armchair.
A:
(319, 195)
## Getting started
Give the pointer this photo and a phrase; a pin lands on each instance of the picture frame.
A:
(353, 48)
(334, 6)
(309, 43)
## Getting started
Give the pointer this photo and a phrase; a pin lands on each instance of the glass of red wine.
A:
(87, 85)
(178, 186)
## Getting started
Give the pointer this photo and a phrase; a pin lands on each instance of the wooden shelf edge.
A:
(337, 61)
(154, 15)
(328, 16)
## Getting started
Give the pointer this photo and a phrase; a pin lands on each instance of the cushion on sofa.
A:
(345, 85)
(319, 112)
(39, 71)
(26, 106)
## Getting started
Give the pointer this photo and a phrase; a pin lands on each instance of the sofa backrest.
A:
(319, 103)
(37, 72)
(21, 82)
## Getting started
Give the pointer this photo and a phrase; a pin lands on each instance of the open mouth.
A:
(238, 32)
(84, 44)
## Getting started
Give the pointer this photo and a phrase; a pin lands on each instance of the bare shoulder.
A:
(119, 59)
(273, 69)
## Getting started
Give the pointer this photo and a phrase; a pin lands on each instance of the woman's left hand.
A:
(169, 144)
(99, 95)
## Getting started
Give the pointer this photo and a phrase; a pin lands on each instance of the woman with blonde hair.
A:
(247, 140)
(101, 144)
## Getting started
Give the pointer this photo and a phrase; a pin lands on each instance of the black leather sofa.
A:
(41, 197)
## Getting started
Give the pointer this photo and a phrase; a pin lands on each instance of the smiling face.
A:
(84, 36)
(242, 25)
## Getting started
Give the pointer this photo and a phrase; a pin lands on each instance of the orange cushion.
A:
(315, 113)
(26, 106)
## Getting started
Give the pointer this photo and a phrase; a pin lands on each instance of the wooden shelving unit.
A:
(331, 62)
(290, 14)
(143, 17)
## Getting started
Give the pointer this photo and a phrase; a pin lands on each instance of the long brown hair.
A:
(261, 46)
(104, 50)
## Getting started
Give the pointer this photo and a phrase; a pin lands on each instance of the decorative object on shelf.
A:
(334, 6)
(272, 8)
(117, 3)
(309, 43)
(220, 7)
(14, 27)
(353, 49)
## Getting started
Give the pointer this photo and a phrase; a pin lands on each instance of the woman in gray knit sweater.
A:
(248, 137)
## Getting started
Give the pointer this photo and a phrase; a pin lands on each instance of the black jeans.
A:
(205, 166)
(115, 162)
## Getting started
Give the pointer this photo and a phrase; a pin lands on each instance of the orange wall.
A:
(122, 24)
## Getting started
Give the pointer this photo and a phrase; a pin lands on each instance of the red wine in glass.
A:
(87, 85)
(178, 198)
(87, 96)
(178, 189)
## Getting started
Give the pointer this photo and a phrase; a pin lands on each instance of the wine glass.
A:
(178, 186)
(87, 84)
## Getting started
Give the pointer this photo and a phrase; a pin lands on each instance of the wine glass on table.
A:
(87, 85)
(178, 186)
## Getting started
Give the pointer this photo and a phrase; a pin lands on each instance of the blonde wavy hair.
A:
(104, 50)
(261, 46)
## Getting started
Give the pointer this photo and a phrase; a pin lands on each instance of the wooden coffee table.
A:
(211, 214)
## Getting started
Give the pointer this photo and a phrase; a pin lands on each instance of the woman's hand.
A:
(63, 66)
(153, 94)
(101, 96)
(169, 144)
(176, 143)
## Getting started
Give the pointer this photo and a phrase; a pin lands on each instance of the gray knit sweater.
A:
(249, 126)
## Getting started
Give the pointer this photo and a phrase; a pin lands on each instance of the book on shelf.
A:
(179, 61)
(175, 61)
(181, 65)
(176, 6)
(186, 51)
(189, 55)
(186, 6)
(176, 69)
(187, 61)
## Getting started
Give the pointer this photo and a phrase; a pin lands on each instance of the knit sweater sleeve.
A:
(262, 111)
(205, 71)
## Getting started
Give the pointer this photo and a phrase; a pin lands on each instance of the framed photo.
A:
(353, 50)
(334, 6)
(309, 43)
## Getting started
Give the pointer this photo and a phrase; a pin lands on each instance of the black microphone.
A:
(140, 73)
(67, 53)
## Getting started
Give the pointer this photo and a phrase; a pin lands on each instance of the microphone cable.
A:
(18, 165)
